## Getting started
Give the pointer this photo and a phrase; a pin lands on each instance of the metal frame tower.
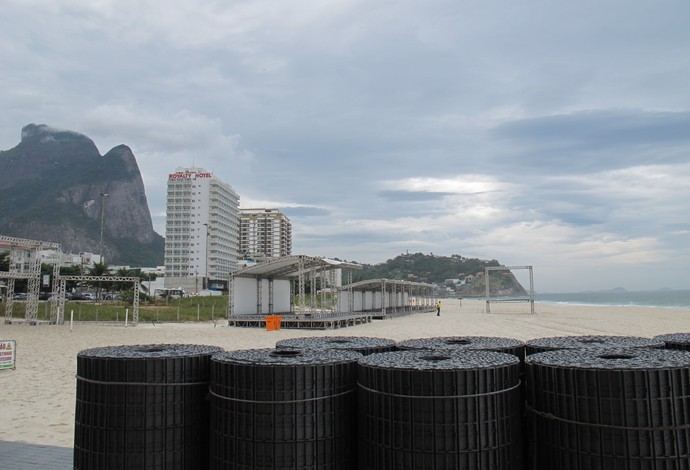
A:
(487, 270)
(31, 271)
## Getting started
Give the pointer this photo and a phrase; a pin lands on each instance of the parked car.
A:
(21, 296)
(82, 296)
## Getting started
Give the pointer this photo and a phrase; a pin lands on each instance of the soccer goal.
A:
(511, 299)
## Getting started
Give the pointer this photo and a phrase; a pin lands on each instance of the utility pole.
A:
(205, 262)
(103, 198)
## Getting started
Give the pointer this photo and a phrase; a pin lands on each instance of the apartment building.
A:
(264, 233)
(202, 230)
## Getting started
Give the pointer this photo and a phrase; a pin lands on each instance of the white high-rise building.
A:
(201, 231)
(264, 233)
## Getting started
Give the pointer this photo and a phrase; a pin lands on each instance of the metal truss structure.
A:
(62, 281)
(397, 297)
(529, 299)
(29, 269)
(299, 270)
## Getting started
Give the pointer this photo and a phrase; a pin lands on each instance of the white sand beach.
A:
(38, 397)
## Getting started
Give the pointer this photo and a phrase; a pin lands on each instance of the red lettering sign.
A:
(178, 176)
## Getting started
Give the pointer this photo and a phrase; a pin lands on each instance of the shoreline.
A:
(39, 395)
(584, 304)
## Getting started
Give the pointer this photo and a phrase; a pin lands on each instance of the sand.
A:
(37, 404)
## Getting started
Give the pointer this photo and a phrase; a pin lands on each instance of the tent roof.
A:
(289, 266)
(377, 284)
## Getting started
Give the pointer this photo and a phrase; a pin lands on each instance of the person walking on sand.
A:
(438, 309)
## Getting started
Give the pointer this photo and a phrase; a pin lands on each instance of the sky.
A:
(541, 133)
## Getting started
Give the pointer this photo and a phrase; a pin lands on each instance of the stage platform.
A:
(304, 321)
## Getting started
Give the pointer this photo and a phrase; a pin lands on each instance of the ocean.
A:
(657, 298)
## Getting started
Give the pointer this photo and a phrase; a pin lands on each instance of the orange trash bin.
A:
(273, 322)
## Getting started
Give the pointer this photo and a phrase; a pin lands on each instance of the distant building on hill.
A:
(264, 233)
(201, 230)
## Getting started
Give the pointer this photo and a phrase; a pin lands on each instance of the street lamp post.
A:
(205, 262)
(103, 198)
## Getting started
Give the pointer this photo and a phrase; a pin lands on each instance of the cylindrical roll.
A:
(553, 343)
(490, 343)
(675, 341)
(360, 344)
(142, 407)
(284, 409)
(600, 409)
(439, 410)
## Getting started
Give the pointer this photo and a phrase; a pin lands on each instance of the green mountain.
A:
(455, 274)
(57, 187)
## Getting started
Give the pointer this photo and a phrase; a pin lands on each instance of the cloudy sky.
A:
(551, 134)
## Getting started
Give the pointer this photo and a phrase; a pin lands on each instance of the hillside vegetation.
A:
(468, 274)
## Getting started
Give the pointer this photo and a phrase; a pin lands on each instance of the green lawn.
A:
(182, 310)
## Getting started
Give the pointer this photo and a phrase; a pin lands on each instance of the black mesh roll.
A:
(490, 343)
(142, 407)
(284, 409)
(553, 343)
(675, 341)
(439, 410)
(617, 408)
(360, 344)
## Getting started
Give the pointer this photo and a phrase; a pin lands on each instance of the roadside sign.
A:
(8, 354)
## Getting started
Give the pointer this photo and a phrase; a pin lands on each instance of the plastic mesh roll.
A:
(490, 343)
(615, 408)
(360, 344)
(284, 409)
(538, 345)
(142, 407)
(675, 341)
(439, 410)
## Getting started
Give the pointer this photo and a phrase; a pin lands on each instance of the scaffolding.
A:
(62, 292)
(386, 298)
(529, 299)
(279, 286)
(29, 269)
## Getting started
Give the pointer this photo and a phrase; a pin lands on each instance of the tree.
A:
(146, 279)
(4, 260)
(70, 271)
(99, 269)
(122, 286)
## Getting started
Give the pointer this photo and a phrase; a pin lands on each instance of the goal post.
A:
(489, 300)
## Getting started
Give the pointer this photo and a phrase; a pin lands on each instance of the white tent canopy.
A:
(265, 288)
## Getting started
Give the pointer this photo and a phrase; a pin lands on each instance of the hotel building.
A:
(201, 231)
(264, 233)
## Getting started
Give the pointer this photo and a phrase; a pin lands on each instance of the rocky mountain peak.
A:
(52, 189)
(45, 133)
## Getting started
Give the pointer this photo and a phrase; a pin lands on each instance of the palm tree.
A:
(98, 269)
(124, 272)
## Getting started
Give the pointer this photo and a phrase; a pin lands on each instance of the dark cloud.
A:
(596, 140)
(570, 120)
